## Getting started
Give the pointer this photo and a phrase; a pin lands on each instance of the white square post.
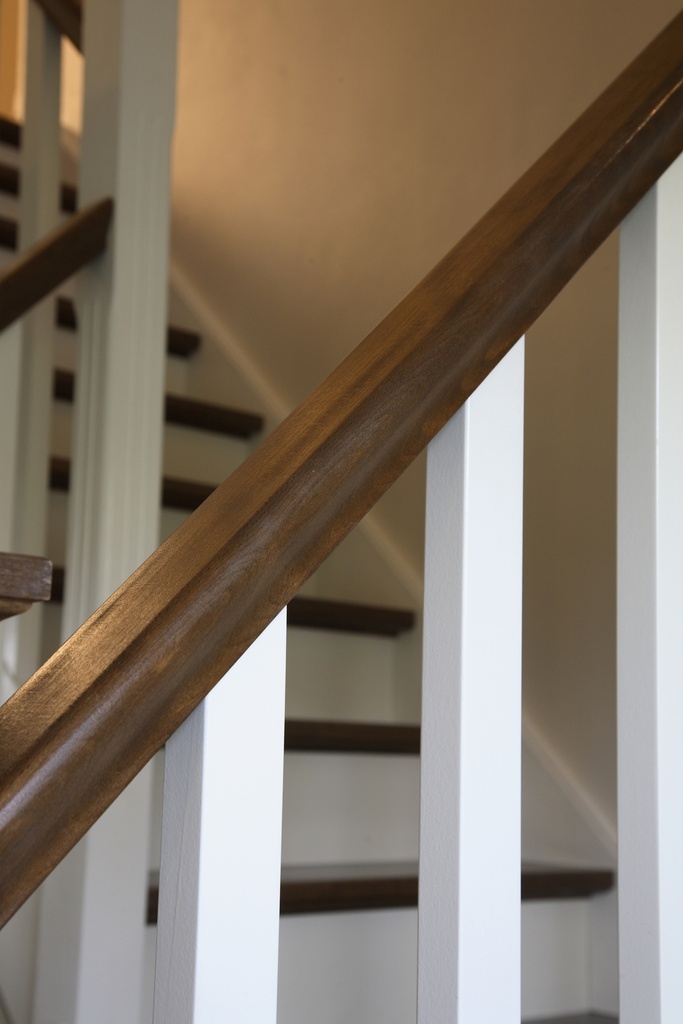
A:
(469, 895)
(650, 607)
(219, 892)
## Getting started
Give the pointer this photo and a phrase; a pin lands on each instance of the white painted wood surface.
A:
(650, 606)
(469, 909)
(217, 948)
(129, 49)
(38, 214)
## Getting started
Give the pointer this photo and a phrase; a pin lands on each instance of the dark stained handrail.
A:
(67, 16)
(52, 260)
(84, 725)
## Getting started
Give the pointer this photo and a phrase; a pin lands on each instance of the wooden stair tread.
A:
(552, 882)
(188, 412)
(10, 133)
(23, 580)
(351, 737)
(9, 179)
(186, 495)
(8, 234)
(10, 183)
(576, 1018)
(179, 342)
(322, 889)
(321, 613)
(309, 734)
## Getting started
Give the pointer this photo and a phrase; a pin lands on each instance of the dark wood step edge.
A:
(10, 183)
(24, 579)
(576, 1018)
(179, 342)
(400, 890)
(10, 133)
(184, 495)
(553, 883)
(304, 731)
(351, 737)
(8, 234)
(318, 613)
(183, 411)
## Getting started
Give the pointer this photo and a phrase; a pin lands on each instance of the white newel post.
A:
(217, 948)
(92, 936)
(650, 607)
(469, 886)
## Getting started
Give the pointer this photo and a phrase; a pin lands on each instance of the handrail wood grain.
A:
(48, 263)
(86, 723)
(67, 15)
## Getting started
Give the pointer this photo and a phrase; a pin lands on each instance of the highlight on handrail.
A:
(67, 16)
(83, 726)
(48, 263)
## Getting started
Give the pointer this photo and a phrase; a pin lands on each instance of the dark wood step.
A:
(308, 734)
(8, 234)
(333, 888)
(185, 495)
(187, 412)
(23, 580)
(9, 180)
(351, 737)
(317, 613)
(304, 734)
(10, 183)
(576, 1018)
(549, 882)
(10, 133)
(179, 342)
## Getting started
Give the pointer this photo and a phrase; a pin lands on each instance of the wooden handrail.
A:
(84, 725)
(67, 16)
(48, 263)
(24, 579)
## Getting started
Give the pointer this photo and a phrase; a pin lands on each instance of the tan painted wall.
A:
(327, 155)
(11, 56)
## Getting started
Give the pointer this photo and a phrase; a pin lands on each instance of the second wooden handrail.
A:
(52, 260)
(84, 725)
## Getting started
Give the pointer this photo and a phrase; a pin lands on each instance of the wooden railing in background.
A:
(84, 725)
(46, 265)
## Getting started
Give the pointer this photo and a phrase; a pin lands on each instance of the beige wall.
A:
(11, 57)
(327, 155)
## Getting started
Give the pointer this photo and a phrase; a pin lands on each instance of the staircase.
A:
(126, 682)
(349, 883)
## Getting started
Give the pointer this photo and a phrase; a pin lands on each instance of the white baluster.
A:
(217, 948)
(469, 898)
(650, 607)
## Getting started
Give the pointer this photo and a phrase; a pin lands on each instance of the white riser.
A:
(336, 968)
(340, 676)
(188, 453)
(342, 968)
(353, 808)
